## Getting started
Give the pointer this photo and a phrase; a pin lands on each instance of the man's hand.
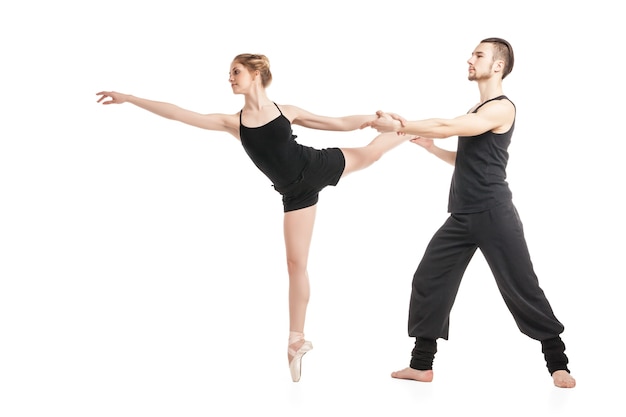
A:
(386, 122)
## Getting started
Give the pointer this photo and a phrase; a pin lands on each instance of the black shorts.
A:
(325, 168)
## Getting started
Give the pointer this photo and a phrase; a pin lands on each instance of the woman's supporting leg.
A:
(363, 157)
(298, 230)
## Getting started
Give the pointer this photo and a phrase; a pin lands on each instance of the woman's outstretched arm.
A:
(305, 118)
(220, 122)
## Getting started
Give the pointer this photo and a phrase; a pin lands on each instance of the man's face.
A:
(481, 63)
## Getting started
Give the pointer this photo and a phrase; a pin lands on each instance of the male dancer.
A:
(482, 215)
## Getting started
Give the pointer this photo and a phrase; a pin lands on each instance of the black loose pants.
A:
(499, 234)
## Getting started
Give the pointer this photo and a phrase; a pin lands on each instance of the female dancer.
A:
(297, 172)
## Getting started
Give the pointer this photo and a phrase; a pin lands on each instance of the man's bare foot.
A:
(563, 379)
(414, 374)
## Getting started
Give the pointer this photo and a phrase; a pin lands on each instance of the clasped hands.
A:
(386, 122)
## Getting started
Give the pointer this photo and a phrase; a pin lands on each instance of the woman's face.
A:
(240, 78)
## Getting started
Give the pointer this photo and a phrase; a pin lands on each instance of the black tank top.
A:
(274, 150)
(479, 179)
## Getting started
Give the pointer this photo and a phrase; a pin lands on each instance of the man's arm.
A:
(429, 144)
(497, 116)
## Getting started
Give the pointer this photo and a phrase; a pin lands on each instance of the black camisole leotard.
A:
(297, 172)
(274, 150)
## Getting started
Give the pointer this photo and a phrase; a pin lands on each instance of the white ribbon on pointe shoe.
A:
(295, 365)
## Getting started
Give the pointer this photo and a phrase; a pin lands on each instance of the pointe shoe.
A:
(295, 366)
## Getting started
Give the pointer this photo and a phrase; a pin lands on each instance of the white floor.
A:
(154, 344)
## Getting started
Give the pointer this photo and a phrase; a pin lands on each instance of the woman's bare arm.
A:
(310, 120)
(220, 122)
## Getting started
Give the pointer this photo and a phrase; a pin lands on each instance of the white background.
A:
(142, 264)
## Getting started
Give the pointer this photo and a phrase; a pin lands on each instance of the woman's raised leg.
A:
(363, 157)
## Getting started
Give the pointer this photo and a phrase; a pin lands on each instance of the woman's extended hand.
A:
(115, 98)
